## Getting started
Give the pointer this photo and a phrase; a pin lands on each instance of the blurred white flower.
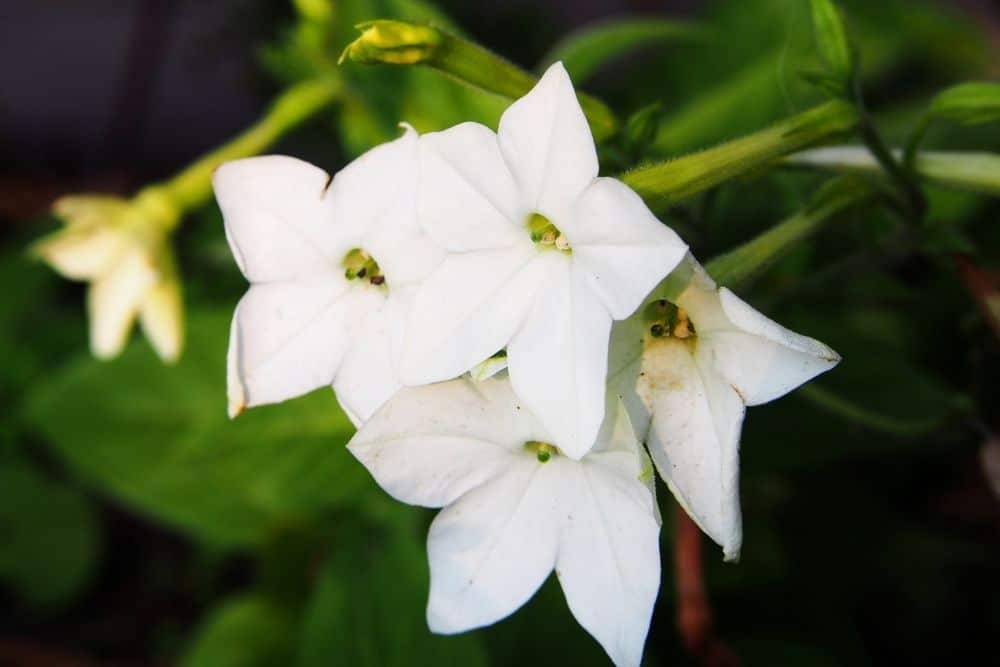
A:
(543, 255)
(122, 248)
(686, 370)
(516, 508)
(330, 262)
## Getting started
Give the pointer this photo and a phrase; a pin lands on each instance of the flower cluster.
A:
(505, 329)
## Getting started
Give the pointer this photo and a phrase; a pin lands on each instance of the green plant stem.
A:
(744, 263)
(665, 183)
(192, 187)
(400, 43)
(975, 172)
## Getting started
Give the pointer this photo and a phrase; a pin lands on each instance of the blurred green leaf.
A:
(49, 536)
(832, 42)
(158, 439)
(584, 51)
(969, 103)
(368, 609)
(246, 631)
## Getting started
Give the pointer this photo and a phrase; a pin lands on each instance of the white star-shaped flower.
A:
(516, 509)
(331, 264)
(686, 371)
(543, 255)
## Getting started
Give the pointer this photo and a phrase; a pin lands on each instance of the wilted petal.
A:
(694, 438)
(288, 339)
(467, 197)
(161, 316)
(468, 309)
(558, 361)
(113, 302)
(278, 222)
(546, 143)
(491, 550)
(620, 245)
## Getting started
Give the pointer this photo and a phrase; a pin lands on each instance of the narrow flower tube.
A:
(401, 43)
(667, 182)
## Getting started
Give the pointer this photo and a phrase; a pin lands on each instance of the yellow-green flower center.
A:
(543, 451)
(359, 265)
(664, 319)
(545, 234)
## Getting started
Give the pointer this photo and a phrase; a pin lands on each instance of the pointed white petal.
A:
(624, 367)
(546, 143)
(468, 309)
(609, 560)
(491, 550)
(113, 302)
(467, 197)
(374, 205)
(558, 360)
(81, 252)
(760, 358)
(287, 339)
(620, 245)
(367, 377)
(161, 316)
(694, 439)
(279, 225)
(430, 445)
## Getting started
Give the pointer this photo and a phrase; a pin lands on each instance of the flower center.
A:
(664, 319)
(359, 265)
(543, 451)
(545, 234)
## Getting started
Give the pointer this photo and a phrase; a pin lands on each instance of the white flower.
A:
(516, 508)
(686, 371)
(542, 256)
(330, 264)
(121, 247)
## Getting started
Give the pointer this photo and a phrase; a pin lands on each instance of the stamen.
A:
(358, 264)
(543, 450)
(546, 234)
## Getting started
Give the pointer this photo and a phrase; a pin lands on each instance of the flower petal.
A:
(161, 316)
(547, 145)
(491, 550)
(429, 445)
(279, 225)
(467, 310)
(467, 198)
(609, 559)
(81, 251)
(694, 438)
(287, 339)
(760, 358)
(620, 245)
(367, 375)
(558, 360)
(113, 302)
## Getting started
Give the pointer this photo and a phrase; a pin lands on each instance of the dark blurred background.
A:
(867, 542)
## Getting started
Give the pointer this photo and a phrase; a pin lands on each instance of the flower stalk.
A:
(665, 183)
(400, 43)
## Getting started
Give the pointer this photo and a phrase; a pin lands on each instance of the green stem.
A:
(976, 172)
(401, 43)
(192, 187)
(746, 262)
(665, 183)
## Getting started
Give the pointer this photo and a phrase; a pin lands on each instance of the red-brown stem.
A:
(695, 621)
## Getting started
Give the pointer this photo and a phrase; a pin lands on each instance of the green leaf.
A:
(246, 631)
(368, 609)
(586, 50)
(157, 439)
(49, 536)
(831, 40)
(970, 103)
